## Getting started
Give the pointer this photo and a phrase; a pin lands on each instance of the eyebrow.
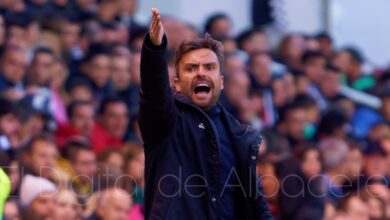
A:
(203, 64)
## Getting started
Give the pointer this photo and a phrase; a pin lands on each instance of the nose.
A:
(201, 72)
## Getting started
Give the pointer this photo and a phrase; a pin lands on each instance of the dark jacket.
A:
(181, 148)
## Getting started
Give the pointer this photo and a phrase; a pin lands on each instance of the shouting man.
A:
(200, 162)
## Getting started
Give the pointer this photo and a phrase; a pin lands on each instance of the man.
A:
(37, 198)
(113, 203)
(40, 72)
(192, 171)
(293, 121)
(10, 125)
(350, 61)
(39, 156)
(113, 117)
(14, 63)
(335, 154)
(95, 69)
(82, 163)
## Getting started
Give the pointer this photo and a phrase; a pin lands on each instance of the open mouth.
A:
(202, 87)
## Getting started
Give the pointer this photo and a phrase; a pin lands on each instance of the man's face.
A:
(85, 165)
(315, 69)
(17, 37)
(296, 121)
(14, 65)
(199, 77)
(330, 84)
(237, 89)
(9, 124)
(116, 208)
(42, 67)
(120, 70)
(43, 206)
(221, 27)
(43, 158)
(115, 119)
(69, 35)
(83, 119)
(342, 61)
(261, 68)
(99, 70)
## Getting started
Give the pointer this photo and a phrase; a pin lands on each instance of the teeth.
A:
(202, 84)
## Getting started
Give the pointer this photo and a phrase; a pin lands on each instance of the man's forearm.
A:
(154, 70)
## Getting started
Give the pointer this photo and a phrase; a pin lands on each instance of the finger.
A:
(156, 23)
(153, 10)
(155, 19)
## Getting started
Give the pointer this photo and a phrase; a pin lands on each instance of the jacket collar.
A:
(242, 134)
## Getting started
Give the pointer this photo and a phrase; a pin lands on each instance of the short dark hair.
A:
(310, 55)
(331, 121)
(247, 34)
(108, 101)
(44, 50)
(203, 42)
(323, 35)
(286, 109)
(73, 105)
(45, 137)
(305, 100)
(355, 54)
(73, 146)
(212, 19)
(95, 50)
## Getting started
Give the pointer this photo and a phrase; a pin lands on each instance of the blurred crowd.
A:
(69, 96)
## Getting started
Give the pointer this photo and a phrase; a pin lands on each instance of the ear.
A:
(222, 81)
(177, 85)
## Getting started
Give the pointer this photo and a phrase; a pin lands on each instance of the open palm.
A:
(156, 29)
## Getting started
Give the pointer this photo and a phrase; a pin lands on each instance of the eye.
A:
(210, 67)
(190, 68)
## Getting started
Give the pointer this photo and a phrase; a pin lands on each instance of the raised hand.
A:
(156, 29)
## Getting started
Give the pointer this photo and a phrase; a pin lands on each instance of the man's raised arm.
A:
(156, 117)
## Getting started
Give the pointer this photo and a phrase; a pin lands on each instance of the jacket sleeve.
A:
(157, 109)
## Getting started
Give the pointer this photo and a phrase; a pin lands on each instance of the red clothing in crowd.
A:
(100, 139)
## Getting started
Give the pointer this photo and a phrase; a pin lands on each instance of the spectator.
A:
(350, 62)
(114, 203)
(134, 167)
(260, 70)
(39, 157)
(125, 87)
(290, 51)
(292, 121)
(326, 43)
(113, 119)
(67, 206)
(253, 41)
(355, 208)
(96, 70)
(37, 198)
(81, 121)
(40, 72)
(112, 157)
(81, 165)
(375, 166)
(10, 125)
(13, 68)
(335, 153)
(218, 26)
(236, 94)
